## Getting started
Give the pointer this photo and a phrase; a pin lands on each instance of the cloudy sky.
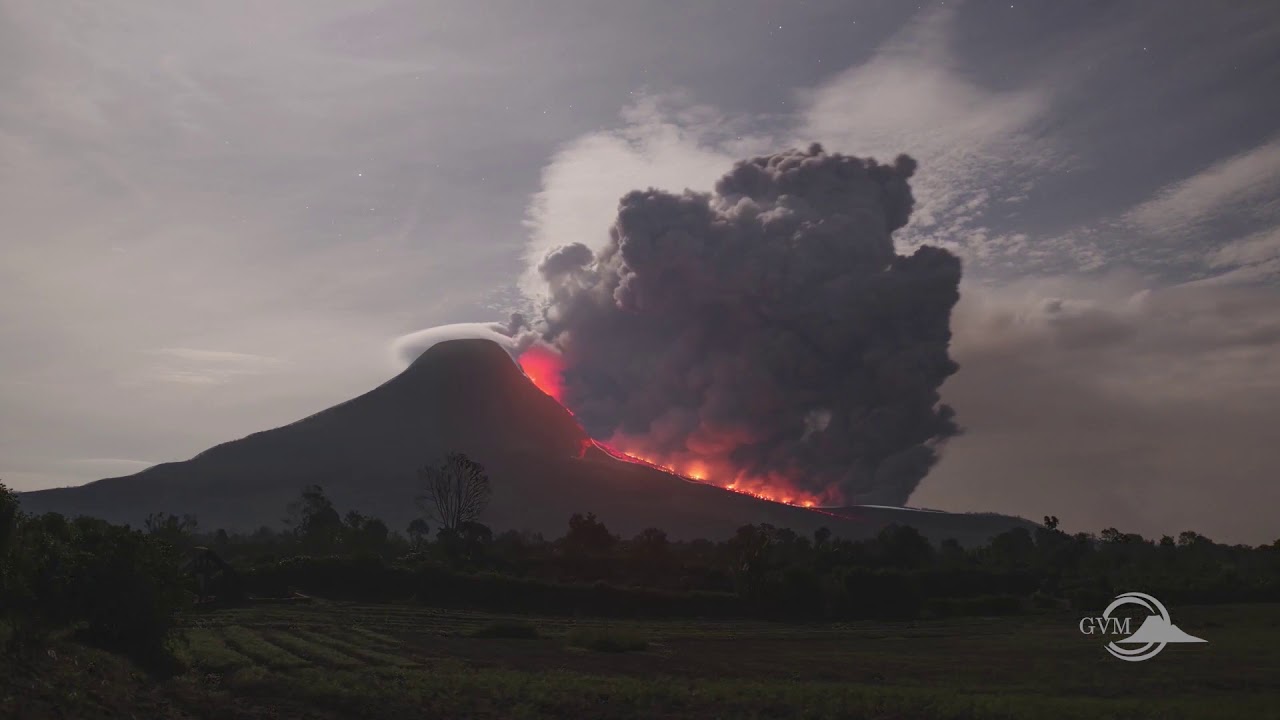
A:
(221, 217)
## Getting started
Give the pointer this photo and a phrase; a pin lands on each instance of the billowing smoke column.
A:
(764, 337)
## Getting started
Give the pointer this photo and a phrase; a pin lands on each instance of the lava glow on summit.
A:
(544, 367)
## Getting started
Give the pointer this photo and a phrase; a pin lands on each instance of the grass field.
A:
(331, 660)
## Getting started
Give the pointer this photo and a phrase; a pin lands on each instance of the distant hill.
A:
(468, 396)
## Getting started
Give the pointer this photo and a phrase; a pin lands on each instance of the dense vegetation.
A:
(120, 586)
(591, 624)
(335, 660)
(762, 571)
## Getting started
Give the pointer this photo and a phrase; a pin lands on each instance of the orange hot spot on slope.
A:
(545, 368)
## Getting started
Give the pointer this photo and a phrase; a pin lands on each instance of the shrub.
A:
(128, 586)
(372, 580)
(35, 594)
(881, 594)
(982, 605)
(122, 586)
(516, 629)
(607, 640)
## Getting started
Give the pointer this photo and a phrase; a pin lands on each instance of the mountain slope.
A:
(468, 396)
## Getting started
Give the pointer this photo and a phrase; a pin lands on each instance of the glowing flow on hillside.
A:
(545, 368)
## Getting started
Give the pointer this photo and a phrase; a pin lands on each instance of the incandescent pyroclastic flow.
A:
(765, 337)
(544, 367)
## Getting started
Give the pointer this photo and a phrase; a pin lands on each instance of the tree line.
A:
(120, 586)
(113, 586)
(761, 570)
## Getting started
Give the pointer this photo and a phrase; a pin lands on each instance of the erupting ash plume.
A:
(764, 337)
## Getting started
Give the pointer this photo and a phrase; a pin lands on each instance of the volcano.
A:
(466, 396)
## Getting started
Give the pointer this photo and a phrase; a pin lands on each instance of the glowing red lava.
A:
(545, 367)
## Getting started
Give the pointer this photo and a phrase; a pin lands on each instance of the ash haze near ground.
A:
(219, 219)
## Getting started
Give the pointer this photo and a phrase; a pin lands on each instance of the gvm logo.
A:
(1152, 635)
(1106, 626)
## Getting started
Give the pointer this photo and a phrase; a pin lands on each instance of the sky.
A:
(219, 218)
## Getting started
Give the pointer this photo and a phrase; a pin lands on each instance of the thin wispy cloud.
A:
(194, 366)
(978, 147)
(1217, 226)
(1247, 184)
(988, 149)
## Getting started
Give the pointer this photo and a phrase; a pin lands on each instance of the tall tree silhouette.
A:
(171, 528)
(419, 532)
(314, 519)
(457, 491)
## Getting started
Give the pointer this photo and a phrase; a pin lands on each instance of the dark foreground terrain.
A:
(333, 660)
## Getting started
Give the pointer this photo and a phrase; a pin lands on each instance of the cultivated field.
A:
(330, 660)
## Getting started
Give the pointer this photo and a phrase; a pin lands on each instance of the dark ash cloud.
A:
(766, 330)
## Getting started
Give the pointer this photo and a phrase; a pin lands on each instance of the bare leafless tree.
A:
(457, 491)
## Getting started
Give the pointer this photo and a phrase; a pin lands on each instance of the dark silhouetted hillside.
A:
(468, 396)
